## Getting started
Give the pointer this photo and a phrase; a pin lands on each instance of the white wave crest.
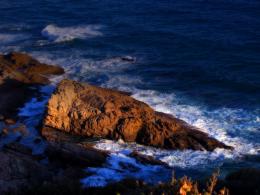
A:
(62, 34)
(119, 166)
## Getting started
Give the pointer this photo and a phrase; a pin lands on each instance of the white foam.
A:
(120, 166)
(9, 42)
(60, 34)
(231, 126)
(31, 114)
(84, 69)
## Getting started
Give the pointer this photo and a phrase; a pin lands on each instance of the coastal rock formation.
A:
(19, 75)
(90, 111)
(22, 67)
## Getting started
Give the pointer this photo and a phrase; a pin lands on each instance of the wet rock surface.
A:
(90, 111)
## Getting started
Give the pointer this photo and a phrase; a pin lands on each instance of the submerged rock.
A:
(90, 111)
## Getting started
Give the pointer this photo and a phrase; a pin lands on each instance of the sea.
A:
(198, 60)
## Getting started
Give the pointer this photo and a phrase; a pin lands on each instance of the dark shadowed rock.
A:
(146, 159)
(76, 155)
(91, 111)
(244, 181)
(18, 169)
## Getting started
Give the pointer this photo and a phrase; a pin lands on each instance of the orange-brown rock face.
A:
(23, 68)
(91, 111)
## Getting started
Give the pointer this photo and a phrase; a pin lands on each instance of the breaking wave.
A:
(61, 34)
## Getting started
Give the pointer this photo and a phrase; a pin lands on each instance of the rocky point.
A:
(91, 111)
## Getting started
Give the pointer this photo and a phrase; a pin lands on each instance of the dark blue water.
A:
(199, 60)
(208, 50)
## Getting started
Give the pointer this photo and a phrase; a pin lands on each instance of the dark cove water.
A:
(198, 60)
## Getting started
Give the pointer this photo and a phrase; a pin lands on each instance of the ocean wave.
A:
(61, 34)
(11, 42)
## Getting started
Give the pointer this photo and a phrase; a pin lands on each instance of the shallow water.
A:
(196, 60)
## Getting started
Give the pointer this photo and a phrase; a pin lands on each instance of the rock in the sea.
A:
(19, 75)
(22, 67)
(90, 111)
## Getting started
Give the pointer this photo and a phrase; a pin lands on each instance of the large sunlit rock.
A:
(90, 111)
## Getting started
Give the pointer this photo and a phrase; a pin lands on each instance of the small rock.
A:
(22, 129)
(5, 131)
(10, 121)
(128, 58)
(145, 159)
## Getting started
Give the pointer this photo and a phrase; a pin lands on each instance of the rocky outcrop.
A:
(22, 67)
(20, 170)
(90, 111)
(19, 75)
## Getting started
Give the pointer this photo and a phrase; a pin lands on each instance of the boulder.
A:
(89, 111)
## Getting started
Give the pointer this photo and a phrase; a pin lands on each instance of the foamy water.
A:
(61, 34)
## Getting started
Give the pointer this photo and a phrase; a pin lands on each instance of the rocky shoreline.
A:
(75, 114)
